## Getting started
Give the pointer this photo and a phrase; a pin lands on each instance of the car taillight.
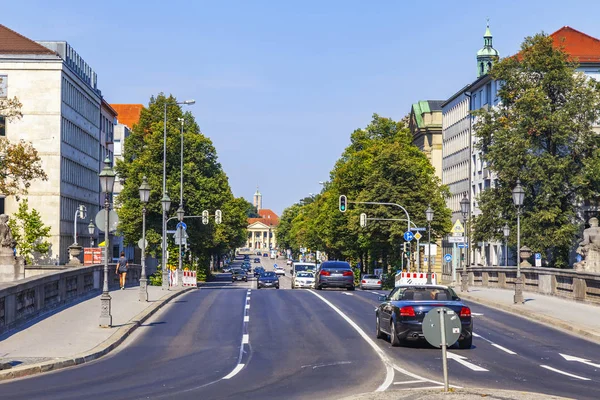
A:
(348, 273)
(465, 312)
(407, 311)
(379, 282)
(324, 273)
(363, 281)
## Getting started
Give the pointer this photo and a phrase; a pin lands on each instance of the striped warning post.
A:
(189, 278)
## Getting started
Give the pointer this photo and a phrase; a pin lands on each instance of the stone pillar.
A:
(579, 289)
(252, 243)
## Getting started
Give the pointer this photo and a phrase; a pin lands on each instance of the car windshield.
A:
(268, 275)
(305, 275)
(370, 277)
(423, 293)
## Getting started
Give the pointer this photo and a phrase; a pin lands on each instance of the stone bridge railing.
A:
(26, 299)
(569, 284)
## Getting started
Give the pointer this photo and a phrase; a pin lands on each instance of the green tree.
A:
(205, 185)
(29, 232)
(542, 134)
(19, 162)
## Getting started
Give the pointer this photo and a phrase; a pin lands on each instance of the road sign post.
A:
(441, 328)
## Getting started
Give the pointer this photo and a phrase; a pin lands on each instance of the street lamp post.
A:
(180, 215)
(166, 206)
(165, 274)
(107, 182)
(429, 216)
(518, 195)
(144, 197)
(91, 231)
(465, 206)
(506, 231)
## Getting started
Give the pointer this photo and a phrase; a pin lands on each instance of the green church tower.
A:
(487, 55)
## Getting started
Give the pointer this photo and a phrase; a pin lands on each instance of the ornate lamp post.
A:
(180, 215)
(506, 231)
(91, 231)
(166, 206)
(144, 197)
(518, 195)
(465, 206)
(429, 216)
(107, 182)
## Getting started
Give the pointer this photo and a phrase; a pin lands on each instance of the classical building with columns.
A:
(262, 231)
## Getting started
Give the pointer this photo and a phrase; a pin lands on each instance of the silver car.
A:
(371, 282)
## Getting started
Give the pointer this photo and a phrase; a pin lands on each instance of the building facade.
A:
(262, 231)
(61, 118)
(425, 124)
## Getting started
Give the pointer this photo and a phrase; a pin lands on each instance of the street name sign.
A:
(418, 229)
(456, 239)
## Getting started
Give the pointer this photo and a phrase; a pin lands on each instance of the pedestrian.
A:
(122, 266)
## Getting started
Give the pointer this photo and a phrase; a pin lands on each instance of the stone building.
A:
(62, 119)
(262, 231)
(425, 124)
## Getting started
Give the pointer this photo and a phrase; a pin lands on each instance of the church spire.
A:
(487, 55)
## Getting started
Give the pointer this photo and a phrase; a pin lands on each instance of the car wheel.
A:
(394, 340)
(465, 344)
(246, 280)
(277, 287)
(319, 287)
(378, 328)
(350, 288)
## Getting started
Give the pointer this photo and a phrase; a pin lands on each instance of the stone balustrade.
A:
(579, 286)
(26, 299)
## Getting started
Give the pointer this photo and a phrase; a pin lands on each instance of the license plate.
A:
(337, 275)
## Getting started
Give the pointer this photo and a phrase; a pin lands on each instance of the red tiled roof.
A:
(578, 45)
(268, 217)
(129, 114)
(12, 42)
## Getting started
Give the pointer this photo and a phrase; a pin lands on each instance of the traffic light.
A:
(205, 217)
(363, 220)
(343, 203)
(218, 217)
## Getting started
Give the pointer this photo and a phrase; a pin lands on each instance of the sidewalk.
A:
(579, 318)
(72, 336)
(460, 394)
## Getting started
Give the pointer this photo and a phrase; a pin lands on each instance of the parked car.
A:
(334, 274)
(268, 279)
(370, 282)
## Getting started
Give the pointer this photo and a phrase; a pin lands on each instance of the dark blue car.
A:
(401, 314)
(267, 279)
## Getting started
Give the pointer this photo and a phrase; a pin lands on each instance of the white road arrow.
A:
(462, 360)
(581, 360)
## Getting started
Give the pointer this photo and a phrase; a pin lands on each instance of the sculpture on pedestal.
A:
(7, 242)
(589, 249)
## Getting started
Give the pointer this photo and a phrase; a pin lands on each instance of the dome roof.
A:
(488, 52)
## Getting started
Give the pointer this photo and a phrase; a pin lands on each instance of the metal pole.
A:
(506, 252)
(429, 256)
(518, 299)
(180, 267)
(105, 315)
(165, 273)
(444, 349)
(464, 287)
(143, 280)
(75, 227)
(418, 255)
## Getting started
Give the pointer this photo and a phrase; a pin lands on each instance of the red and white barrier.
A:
(189, 278)
(414, 278)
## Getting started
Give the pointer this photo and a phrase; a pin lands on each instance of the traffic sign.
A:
(456, 239)
(432, 328)
(463, 245)
(458, 227)
(418, 236)
(113, 220)
(408, 236)
(141, 243)
(448, 257)
(538, 259)
(182, 225)
(415, 229)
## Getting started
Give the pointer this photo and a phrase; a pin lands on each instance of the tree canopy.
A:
(205, 185)
(541, 133)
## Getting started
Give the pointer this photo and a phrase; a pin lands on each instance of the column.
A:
(268, 240)
(252, 243)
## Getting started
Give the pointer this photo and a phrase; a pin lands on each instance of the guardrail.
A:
(579, 286)
(26, 299)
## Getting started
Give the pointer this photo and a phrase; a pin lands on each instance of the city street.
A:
(229, 340)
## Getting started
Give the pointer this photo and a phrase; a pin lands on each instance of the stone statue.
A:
(589, 249)
(7, 243)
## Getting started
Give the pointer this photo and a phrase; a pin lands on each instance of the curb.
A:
(100, 350)
(464, 393)
(551, 322)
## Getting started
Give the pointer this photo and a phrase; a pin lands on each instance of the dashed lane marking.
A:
(494, 344)
(246, 318)
(245, 339)
(235, 371)
(407, 382)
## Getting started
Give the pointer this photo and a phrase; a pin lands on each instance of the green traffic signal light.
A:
(343, 202)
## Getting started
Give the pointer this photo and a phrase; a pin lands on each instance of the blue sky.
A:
(280, 85)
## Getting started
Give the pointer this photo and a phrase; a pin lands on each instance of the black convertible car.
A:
(401, 314)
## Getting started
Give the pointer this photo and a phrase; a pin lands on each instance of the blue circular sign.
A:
(408, 236)
(448, 257)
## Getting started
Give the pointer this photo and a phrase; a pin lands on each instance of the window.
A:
(2, 126)
(3, 86)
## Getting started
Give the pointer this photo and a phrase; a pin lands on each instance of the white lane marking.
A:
(407, 382)
(347, 294)
(476, 314)
(378, 294)
(504, 349)
(462, 360)
(494, 344)
(390, 366)
(233, 373)
(565, 373)
(326, 365)
(247, 306)
(578, 359)
(424, 387)
(246, 318)
(245, 338)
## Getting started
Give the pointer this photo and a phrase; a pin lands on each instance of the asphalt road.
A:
(230, 341)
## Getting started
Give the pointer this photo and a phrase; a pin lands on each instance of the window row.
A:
(78, 175)
(77, 100)
(80, 139)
